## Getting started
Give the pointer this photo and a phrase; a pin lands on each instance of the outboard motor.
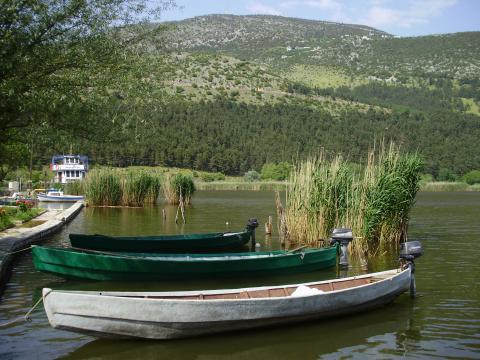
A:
(409, 251)
(252, 224)
(342, 236)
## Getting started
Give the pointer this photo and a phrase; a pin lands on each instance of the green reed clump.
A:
(374, 201)
(154, 189)
(75, 188)
(176, 185)
(103, 187)
(113, 187)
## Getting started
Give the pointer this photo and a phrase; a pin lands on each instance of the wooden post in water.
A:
(164, 214)
(268, 226)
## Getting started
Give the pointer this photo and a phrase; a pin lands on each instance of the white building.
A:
(69, 168)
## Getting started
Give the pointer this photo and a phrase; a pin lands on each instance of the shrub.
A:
(278, 172)
(209, 177)
(23, 207)
(251, 176)
(445, 174)
(472, 177)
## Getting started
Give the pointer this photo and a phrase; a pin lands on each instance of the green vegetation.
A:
(22, 213)
(448, 186)
(179, 186)
(278, 172)
(117, 187)
(374, 200)
(58, 59)
(280, 90)
(472, 177)
(251, 176)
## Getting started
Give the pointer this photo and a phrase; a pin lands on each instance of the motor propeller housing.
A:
(342, 236)
(411, 250)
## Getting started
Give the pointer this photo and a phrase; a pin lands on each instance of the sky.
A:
(398, 17)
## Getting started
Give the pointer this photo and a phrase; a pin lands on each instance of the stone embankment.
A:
(16, 239)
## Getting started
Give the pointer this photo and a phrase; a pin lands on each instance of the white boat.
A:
(58, 196)
(169, 315)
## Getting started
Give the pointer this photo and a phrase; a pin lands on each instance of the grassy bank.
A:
(448, 186)
(9, 216)
(241, 185)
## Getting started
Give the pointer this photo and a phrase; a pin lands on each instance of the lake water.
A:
(443, 322)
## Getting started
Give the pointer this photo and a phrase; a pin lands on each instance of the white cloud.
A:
(259, 8)
(416, 12)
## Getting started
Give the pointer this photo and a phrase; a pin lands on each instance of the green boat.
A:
(209, 242)
(95, 265)
(165, 243)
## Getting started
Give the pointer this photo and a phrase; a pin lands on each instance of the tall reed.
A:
(374, 200)
(113, 187)
(176, 185)
(103, 187)
(75, 188)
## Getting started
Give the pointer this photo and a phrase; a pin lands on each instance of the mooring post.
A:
(268, 226)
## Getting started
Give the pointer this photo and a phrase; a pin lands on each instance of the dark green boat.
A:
(189, 243)
(165, 243)
(96, 265)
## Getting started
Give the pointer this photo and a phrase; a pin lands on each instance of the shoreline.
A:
(16, 239)
(434, 186)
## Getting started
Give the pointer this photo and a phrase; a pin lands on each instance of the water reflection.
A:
(301, 341)
(443, 322)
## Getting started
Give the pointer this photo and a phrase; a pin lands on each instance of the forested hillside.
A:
(230, 93)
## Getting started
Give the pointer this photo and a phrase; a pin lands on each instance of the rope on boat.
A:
(18, 251)
(25, 317)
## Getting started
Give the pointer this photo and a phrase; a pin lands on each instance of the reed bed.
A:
(75, 188)
(115, 187)
(180, 185)
(374, 200)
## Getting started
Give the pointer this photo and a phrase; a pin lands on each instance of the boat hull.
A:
(63, 198)
(111, 316)
(133, 267)
(165, 243)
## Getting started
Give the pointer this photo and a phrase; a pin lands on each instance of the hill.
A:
(230, 93)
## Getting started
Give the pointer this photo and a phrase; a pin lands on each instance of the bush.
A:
(23, 207)
(278, 172)
(446, 175)
(209, 177)
(251, 176)
(472, 177)
(424, 178)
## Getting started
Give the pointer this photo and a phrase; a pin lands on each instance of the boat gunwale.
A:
(165, 237)
(394, 273)
(190, 258)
